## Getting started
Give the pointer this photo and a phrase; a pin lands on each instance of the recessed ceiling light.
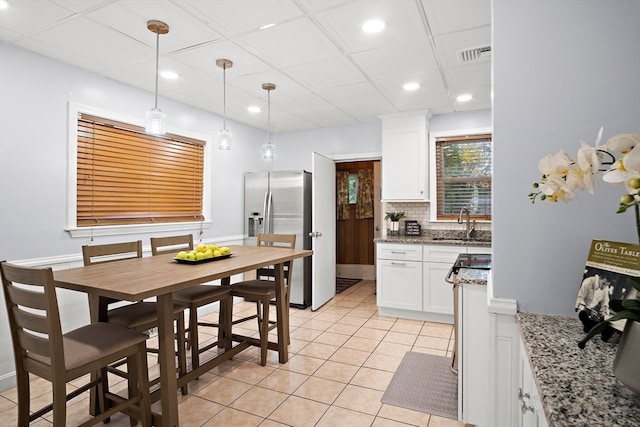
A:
(264, 27)
(4, 4)
(464, 98)
(169, 75)
(373, 26)
(254, 109)
(411, 86)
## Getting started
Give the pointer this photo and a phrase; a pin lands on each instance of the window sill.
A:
(115, 230)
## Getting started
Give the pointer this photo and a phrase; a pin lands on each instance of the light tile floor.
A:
(342, 358)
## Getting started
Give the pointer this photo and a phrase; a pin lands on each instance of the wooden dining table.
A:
(159, 276)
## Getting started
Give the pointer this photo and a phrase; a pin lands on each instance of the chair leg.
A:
(132, 383)
(59, 404)
(102, 389)
(182, 356)
(263, 325)
(143, 381)
(22, 380)
(194, 339)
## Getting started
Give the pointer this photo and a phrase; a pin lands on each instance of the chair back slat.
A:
(33, 298)
(34, 344)
(34, 319)
(93, 254)
(31, 321)
(287, 241)
(164, 245)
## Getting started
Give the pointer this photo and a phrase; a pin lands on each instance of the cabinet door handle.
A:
(526, 408)
(398, 263)
(522, 395)
(398, 252)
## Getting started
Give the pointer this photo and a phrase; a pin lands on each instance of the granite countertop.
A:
(427, 240)
(440, 237)
(576, 387)
(471, 276)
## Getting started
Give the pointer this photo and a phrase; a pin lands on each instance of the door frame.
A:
(349, 270)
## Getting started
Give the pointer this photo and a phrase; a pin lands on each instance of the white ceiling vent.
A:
(473, 54)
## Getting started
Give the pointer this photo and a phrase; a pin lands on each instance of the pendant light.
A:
(224, 136)
(268, 148)
(156, 120)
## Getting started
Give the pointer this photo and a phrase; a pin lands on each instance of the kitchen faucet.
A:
(470, 227)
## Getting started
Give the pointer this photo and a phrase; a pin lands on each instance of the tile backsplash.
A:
(419, 211)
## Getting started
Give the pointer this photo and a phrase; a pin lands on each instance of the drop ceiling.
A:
(328, 72)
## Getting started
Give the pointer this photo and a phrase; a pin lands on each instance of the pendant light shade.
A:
(268, 149)
(156, 120)
(224, 136)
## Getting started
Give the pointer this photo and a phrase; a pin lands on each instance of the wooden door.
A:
(355, 254)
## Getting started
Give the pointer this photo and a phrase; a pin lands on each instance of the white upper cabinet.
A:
(405, 166)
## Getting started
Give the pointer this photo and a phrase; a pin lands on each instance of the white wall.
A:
(561, 69)
(295, 148)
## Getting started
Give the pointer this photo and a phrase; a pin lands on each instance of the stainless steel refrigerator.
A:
(280, 202)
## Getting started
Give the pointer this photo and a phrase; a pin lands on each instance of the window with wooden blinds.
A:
(463, 176)
(125, 176)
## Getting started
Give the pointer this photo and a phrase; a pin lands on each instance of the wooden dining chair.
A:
(40, 348)
(140, 316)
(262, 290)
(195, 297)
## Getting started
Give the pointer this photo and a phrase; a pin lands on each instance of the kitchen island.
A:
(576, 387)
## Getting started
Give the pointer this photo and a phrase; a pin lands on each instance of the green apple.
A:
(182, 255)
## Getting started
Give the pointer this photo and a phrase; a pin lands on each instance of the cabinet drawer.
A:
(448, 254)
(399, 252)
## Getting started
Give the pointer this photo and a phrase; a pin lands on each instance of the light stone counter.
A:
(470, 276)
(577, 387)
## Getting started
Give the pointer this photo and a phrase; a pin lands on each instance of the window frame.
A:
(433, 185)
(111, 230)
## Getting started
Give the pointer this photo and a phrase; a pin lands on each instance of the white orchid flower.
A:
(623, 143)
(588, 158)
(625, 169)
(556, 165)
(589, 162)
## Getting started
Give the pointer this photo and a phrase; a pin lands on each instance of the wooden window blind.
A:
(125, 176)
(463, 176)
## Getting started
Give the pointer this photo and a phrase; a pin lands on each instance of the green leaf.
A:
(625, 314)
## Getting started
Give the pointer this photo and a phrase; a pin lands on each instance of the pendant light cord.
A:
(157, 55)
(224, 96)
(269, 116)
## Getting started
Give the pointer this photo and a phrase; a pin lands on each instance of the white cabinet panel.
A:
(405, 158)
(437, 294)
(399, 284)
(532, 413)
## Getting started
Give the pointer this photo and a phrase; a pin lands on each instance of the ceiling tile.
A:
(288, 44)
(327, 71)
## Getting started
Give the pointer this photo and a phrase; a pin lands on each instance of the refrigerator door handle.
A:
(269, 214)
(265, 212)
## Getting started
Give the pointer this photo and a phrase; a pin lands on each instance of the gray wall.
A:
(561, 69)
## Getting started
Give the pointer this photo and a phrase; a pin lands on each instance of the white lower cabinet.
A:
(403, 284)
(531, 411)
(411, 280)
(399, 276)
